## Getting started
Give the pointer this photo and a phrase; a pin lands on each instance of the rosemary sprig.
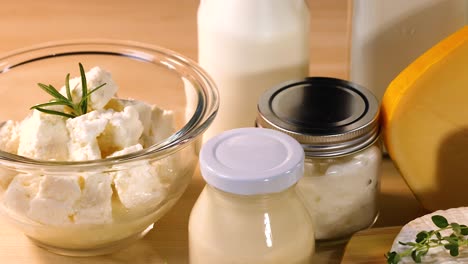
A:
(431, 239)
(71, 109)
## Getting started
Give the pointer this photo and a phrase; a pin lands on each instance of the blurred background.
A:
(171, 24)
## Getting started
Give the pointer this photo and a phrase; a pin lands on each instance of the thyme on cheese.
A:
(431, 239)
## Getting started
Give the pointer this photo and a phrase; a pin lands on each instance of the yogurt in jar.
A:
(249, 212)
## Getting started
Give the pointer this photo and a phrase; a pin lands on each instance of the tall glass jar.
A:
(250, 212)
(338, 126)
(247, 46)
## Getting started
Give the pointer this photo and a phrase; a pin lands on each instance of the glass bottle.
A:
(247, 46)
(249, 211)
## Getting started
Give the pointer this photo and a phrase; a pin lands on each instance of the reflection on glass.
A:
(268, 235)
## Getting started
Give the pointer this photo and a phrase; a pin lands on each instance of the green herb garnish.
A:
(71, 109)
(431, 239)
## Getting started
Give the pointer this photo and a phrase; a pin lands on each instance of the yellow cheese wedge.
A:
(425, 123)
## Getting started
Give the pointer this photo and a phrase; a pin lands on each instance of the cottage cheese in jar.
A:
(337, 124)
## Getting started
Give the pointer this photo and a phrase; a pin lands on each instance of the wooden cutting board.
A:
(369, 246)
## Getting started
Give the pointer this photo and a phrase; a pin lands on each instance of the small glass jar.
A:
(337, 124)
(250, 212)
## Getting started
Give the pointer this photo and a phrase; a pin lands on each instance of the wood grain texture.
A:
(329, 38)
(172, 24)
(369, 246)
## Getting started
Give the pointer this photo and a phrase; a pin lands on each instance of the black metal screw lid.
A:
(328, 116)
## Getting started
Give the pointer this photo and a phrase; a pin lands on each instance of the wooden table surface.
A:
(172, 24)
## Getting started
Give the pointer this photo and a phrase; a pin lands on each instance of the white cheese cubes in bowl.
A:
(89, 163)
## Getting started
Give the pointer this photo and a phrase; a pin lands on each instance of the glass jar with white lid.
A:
(249, 211)
(337, 124)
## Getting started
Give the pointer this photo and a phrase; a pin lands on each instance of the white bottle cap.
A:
(250, 161)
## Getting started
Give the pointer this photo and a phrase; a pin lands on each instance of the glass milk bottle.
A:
(387, 35)
(249, 211)
(247, 46)
(337, 123)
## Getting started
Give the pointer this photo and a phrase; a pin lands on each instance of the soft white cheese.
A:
(162, 126)
(9, 136)
(112, 127)
(170, 168)
(43, 136)
(144, 111)
(95, 203)
(54, 202)
(20, 192)
(127, 150)
(94, 78)
(138, 185)
(84, 130)
(72, 199)
(341, 195)
(124, 129)
(158, 124)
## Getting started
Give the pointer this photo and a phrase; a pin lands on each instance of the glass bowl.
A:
(41, 198)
